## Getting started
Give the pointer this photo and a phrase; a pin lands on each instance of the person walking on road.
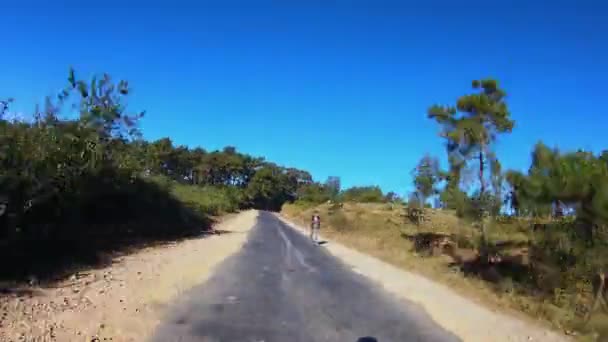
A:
(314, 228)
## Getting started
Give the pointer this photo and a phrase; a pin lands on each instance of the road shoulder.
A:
(467, 319)
(125, 301)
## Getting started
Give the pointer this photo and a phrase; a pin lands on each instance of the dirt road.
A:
(123, 302)
(263, 281)
(281, 287)
(467, 319)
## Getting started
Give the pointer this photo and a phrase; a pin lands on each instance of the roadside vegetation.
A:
(77, 180)
(534, 241)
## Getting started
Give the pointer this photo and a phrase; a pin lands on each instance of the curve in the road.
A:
(281, 287)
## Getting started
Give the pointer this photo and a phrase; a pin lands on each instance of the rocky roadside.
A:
(122, 302)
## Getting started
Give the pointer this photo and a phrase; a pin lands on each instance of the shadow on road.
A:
(367, 339)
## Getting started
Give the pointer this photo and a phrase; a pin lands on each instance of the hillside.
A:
(444, 248)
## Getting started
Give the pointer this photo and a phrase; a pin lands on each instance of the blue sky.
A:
(333, 87)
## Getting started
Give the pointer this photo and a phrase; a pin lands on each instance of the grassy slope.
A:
(381, 230)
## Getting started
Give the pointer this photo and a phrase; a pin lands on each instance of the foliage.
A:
(210, 199)
(470, 128)
(314, 193)
(562, 198)
(473, 125)
(270, 187)
(578, 180)
(91, 182)
(426, 176)
(365, 194)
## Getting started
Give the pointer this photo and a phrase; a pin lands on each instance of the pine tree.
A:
(470, 129)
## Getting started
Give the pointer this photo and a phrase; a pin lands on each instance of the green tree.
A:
(427, 175)
(470, 129)
(472, 126)
(363, 194)
(313, 193)
(576, 179)
(269, 188)
(102, 105)
(452, 195)
(299, 178)
(161, 159)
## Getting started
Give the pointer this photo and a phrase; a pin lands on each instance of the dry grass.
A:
(381, 230)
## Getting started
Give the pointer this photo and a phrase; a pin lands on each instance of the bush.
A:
(70, 188)
(213, 200)
(363, 194)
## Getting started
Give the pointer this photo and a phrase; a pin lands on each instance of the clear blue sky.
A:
(333, 87)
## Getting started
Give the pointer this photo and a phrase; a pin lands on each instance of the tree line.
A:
(556, 184)
(51, 167)
(562, 198)
(74, 184)
(59, 172)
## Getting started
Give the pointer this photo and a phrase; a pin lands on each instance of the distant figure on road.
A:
(314, 227)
